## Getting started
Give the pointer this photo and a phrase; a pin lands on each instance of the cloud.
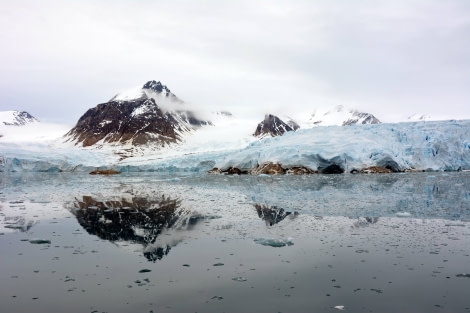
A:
(391, 58)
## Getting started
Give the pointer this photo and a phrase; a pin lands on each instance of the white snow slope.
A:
(438, 146)
(338, 115)
(16, 118)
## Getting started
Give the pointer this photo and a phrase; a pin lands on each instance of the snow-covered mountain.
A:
(341, 116)
(271, 126)
(149, 115)
(16, 118)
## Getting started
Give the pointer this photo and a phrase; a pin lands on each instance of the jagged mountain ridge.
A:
(16, 118)
(148, 115)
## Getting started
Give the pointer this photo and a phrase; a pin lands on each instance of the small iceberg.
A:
(39, 241)
(241, 279)
(276, 243)
(403, 214)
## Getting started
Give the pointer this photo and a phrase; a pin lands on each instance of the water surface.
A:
(189, 242)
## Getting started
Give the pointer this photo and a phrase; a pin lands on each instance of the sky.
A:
(390, 58)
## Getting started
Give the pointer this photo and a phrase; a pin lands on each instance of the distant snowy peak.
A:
(16, 118)
(341, 116)
(419, 117)
(271, 126)
(361, 118)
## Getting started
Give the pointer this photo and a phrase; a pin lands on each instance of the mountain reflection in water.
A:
(272, 214)
(138, 220)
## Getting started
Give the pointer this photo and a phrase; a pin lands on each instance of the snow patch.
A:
(129, 94)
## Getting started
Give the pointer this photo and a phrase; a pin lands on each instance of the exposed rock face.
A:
(136, 119)
(299, 170)
(119, 122)
(273, 126)
(159, 88)
(375, 169)
(215, 170)
(269, 169)
(17, 118)
(105, 172)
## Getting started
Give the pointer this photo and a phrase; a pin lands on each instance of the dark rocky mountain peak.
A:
(157, 87)
(136, 122)
(136, 118)
(273, 126)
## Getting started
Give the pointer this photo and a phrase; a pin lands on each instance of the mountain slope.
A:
(148, 115)
(16, 118)
(272, 126)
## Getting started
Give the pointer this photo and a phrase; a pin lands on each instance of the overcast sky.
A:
(392, 58)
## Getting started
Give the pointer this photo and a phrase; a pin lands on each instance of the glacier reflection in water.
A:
(423, 195)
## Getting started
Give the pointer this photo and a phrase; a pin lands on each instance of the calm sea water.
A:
(189, 242)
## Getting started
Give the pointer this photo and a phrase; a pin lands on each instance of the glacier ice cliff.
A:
(436, 146)
(432, 146)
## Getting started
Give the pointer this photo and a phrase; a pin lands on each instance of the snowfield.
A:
(433, 146)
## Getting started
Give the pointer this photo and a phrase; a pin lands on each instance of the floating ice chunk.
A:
(339, 307)
(403, 214)
(277, 243)
(40, 241)
(239, 279)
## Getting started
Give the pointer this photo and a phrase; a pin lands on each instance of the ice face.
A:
(435, 146)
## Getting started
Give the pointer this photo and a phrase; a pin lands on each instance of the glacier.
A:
(420, 146)
(435, 146)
